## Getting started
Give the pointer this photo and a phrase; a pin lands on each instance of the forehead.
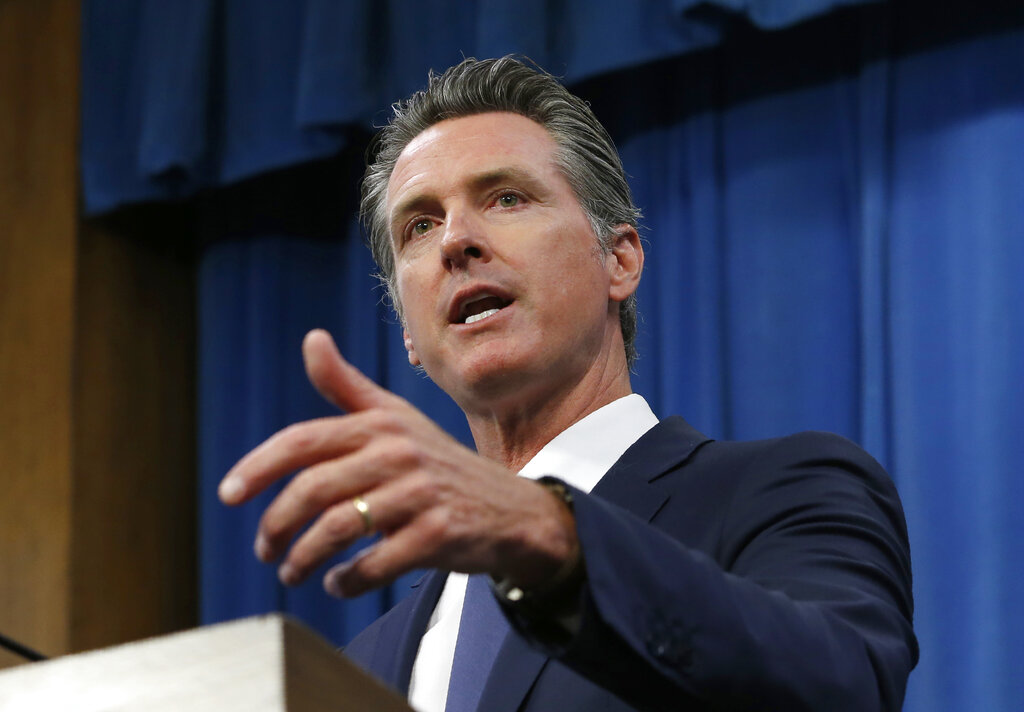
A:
(459, 148)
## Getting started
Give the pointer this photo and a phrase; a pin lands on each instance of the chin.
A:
(489, 375)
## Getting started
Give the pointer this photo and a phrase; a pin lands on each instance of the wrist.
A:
(557, 593)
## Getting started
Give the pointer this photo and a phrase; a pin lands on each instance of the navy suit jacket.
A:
(767, 575)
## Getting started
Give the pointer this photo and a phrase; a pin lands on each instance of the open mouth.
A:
(481, 307)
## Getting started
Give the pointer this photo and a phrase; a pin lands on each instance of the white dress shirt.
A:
(579, 455)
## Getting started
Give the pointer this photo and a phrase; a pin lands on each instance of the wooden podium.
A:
(265, 664)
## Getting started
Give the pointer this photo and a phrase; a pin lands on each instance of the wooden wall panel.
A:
(38, 217)
(97, 376)
(133, 500)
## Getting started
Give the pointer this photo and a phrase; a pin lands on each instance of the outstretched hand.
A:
(436, 503)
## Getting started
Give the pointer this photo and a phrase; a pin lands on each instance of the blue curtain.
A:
(184, 95)
(835, 212)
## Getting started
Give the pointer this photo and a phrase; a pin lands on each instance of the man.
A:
(655, 568)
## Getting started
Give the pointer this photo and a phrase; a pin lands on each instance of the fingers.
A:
(336, 379)
(425, 540)
(437, 503)
(311, 492)
(389, 507)
(336, 529)
(307, 443)
(377, 565)
(373, 452)
(296, 446)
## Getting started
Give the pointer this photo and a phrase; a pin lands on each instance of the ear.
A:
(625, 263)
(414, 360)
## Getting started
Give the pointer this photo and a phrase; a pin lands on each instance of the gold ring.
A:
(364, 511)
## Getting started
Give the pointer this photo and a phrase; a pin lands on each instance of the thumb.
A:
(336, 379)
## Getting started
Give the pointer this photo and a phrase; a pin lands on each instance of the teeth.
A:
(481, 315)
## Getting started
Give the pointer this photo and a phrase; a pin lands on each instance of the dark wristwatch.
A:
(559, 598)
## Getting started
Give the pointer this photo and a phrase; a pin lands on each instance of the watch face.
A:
(557, 488)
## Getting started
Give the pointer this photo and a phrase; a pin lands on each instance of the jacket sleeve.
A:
(799, 598)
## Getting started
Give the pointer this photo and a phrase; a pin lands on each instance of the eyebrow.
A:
(511, 174)
(480, 181)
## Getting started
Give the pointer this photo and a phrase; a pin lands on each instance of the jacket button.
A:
(666, 642)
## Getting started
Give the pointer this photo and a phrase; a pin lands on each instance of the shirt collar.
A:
(582, 453)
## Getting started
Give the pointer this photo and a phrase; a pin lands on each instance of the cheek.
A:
(409, 287)
(417, 290)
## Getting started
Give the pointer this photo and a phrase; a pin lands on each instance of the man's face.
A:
(503, 285)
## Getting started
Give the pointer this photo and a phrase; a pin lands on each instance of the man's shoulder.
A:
(808, 446)
(809, 450)
(719, 468)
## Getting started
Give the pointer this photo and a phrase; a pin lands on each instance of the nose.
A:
(464, 240)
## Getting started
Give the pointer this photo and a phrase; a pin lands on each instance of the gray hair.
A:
(586, 154)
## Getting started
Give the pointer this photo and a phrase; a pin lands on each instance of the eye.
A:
(508, 200)
(421, 227)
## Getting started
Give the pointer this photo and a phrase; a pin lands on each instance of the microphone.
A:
(20, 650)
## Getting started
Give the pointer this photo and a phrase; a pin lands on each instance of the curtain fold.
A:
(766, 14)
(957, 333)
(182, 96)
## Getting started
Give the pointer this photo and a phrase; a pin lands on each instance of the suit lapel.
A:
(400, 635)
(515, 669)
(627, 484)
(631, 483)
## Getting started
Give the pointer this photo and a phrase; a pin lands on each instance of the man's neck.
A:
(513, 435)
